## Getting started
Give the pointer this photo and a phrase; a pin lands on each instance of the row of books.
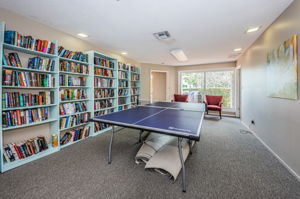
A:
(80, 56)
(135, 99)
(69, 80)
(72, 94)
(104, 112)
(69, 66)
(100, 126)
(134, 84)
(17, 99)
(122, 100)
(104, 72)
(27, 79)
(103, 62)
(123, 92)
(70, 108)
(123, 66)
(134, 69)
(135, 77)
(105, 92)
(74, 120)
(14, 38)
(123, 83)
(122, 75)
(100, 104)
(13, 152)
(121, 108)
(134, 91)
(74, 135)
(21, 117)
(99, 82)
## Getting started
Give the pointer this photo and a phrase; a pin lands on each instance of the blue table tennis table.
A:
(179, 119)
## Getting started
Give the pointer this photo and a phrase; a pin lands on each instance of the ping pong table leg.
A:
(182, 164)
(140, 138)
(110, 144)
(190, 146)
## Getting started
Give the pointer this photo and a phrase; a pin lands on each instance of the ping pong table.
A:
(179, 119)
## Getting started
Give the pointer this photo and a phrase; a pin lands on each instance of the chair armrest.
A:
(205, 102)
(220, 104)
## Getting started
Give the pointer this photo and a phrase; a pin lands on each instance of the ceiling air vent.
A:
(162, 35)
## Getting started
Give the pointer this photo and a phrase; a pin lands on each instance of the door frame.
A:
(167, 83)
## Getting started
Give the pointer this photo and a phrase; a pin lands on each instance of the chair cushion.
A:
(214, 107)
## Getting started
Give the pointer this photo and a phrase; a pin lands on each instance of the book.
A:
(74, 120)
(80, 56)
(104, 62)
(72, 94)
(104, 93)
(104, 72)
(74, 135)
(105, 103)
(71, 108)
(69, 66)
(123, 66)
(69, 80)
(106, 83)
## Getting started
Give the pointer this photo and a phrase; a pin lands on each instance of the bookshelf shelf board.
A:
(105, 77)
(28, 69)
(63, 87)
(124, 95)
(73, 60)
(28, 125)
(105, 98)
(104, 87)
(73, 142)
(135, 94)
(23, 87)
(123, 87)
(123, 70)
(72, 73)
(77, 113)
(135, 73)
(124, 104)
(27, 107)
(102, 131)
(104, 67)
(28, 51)
(102, 109)
(10, 165)
(73, 127)
(78, 100)
(123, 79)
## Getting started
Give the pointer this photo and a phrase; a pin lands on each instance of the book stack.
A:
(69, 66)
(103, 93)
(13, 152)
(135, 99)
(134, 91)
(15, 38)
(71, 108)
(103, 62)
(135, 77)
(17, 99)
(123, 107)
(134, 84)
(100, 104)
(74, 120)
(12, 59)
(99, 82)
(79, 56)
(69, 80)
(104, 112)
(122, 75)
(21, 117)
(74, 135)
(123, 84)
(123, 66)
(123, 92)
(134, 69)
(104, 72)
(100, 126)
(27, 79)
(122, 101)
(72, 94)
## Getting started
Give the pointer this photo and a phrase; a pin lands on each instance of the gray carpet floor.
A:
(225, 164)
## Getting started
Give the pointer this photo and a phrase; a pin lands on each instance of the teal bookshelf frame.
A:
(55, 116)
(54, 111)
(135, 84)
(91, 57)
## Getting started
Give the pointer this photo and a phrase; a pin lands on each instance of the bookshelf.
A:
(48, 87)
(135, 85)
(99, 93)
(75, 100)
(104, 70)
(123, 86)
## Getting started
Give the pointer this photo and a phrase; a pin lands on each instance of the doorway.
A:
(158, 86)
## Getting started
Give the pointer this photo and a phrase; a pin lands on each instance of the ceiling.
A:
(207, 31)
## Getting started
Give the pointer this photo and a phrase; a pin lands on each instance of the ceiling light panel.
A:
(179, 55)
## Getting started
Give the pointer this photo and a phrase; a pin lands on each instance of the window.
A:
(200, 83)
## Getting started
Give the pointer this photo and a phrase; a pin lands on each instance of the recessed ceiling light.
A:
(124, 53)
(249, 30)
(179, 55)
(237, 50)
(82, 35)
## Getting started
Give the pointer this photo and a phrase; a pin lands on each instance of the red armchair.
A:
(214, 103)
(180, 98)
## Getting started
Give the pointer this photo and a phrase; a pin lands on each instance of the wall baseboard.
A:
(275, 154)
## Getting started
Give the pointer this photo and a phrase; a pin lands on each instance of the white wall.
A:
(277, 120)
